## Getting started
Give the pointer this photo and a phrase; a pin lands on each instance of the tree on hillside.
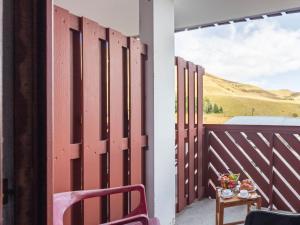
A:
(216, 108)
(252, 111)
(221, 110)
(207, 106)
(294, 115)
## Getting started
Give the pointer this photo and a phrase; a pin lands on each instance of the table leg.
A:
(248, 207)
(217, 207)
(258, 204)
(221, 215)
(217, 211)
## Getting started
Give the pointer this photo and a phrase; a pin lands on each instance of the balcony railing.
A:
(269, 155)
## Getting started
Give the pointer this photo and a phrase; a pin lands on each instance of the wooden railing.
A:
(270, 155)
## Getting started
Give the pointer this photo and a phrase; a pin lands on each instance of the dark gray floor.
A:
(203, 213)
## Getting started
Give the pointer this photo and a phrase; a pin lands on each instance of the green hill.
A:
(237, 99)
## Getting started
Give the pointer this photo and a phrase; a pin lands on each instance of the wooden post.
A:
(116, 119)
(32, 68)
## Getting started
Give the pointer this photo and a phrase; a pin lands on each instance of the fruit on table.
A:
(247, 185)
(229, 180)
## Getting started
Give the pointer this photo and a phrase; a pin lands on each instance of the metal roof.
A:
(264, 120)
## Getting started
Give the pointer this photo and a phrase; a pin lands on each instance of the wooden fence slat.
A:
(250, 151)
(61, 99)
(115, 120)
(279, 203)
(191, 124)
(286, 153)
(250, 169)
(291, 198)
(259, 143)
(180, 134)
(292, 141)
(213, 177)
(91, 118)
(214, 160)
(288, 175)
(214, 143)
(135, 117)
(200, 129)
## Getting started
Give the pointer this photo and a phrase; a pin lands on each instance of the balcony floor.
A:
(203, 213)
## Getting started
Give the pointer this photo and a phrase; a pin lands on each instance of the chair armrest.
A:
(62, 201)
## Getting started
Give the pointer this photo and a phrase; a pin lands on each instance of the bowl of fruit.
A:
(229, 180)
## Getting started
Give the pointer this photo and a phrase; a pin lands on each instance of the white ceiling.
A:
(123, 15)
(190, 13)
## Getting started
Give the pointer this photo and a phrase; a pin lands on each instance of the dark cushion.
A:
(272, 218)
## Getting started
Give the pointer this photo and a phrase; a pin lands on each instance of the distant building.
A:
(264, 120)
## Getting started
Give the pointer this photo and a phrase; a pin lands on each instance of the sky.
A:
(262, 52)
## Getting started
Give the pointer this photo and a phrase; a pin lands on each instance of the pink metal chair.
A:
(62, 201)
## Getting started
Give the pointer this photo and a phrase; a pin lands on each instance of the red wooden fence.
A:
(99, 109)
(270, 155)
(189, 133)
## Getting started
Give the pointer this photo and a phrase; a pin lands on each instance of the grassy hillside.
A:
(237, 99)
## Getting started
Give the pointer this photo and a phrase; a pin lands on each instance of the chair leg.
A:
(258, 204)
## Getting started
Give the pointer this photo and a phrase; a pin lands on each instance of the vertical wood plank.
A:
(115, 120)
(200, 133)
(61, 104)
(191, 133)
(62, 101)
(91, 118)
(135, 145)
(180, 134)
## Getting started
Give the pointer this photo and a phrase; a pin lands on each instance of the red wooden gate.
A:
(189, 132)
(98, 109)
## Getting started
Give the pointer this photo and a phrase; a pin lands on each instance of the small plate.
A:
(227, 196)
(253, 190)
(239, 195)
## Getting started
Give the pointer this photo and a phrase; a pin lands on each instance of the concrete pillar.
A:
(157, 31)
